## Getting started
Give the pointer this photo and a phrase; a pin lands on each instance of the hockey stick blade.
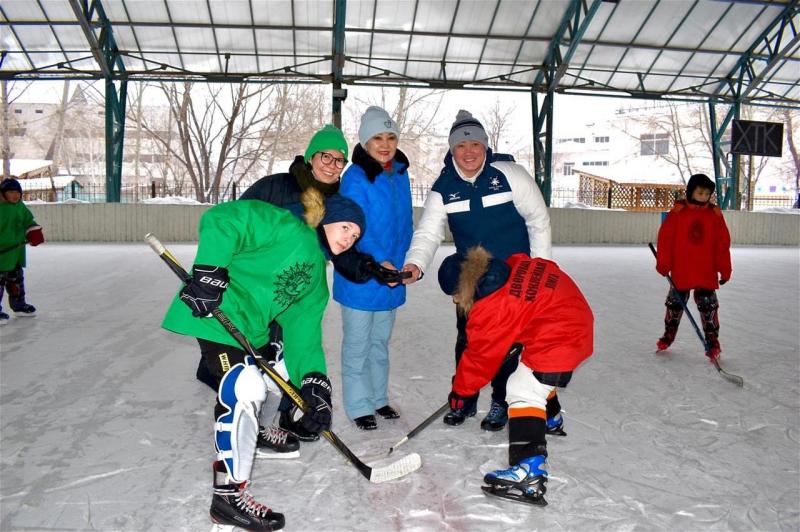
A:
(727, 376)
(736, 379)
(514, 351)
(439, 411)
(398, 469)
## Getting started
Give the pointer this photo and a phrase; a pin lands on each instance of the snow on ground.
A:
(103, 426)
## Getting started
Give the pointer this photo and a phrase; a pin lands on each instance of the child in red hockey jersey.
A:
(533, 303)
(694, 247)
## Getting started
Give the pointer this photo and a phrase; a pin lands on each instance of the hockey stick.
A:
(736, 379)
(515, 350)
(397, 469)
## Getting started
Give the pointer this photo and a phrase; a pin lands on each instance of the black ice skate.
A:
(233, 505)
(275, 442)
(23, 310)
(524, 482)
(4, 318)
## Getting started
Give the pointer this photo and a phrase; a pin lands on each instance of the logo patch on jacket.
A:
(453, 196)
(696, 232)
(495, 184)
(292, 282)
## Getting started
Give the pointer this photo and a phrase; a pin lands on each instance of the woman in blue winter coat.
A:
(378, 182)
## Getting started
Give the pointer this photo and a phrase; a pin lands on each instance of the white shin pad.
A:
(242, 391)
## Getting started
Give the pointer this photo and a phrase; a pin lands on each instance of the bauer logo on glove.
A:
(204, 292)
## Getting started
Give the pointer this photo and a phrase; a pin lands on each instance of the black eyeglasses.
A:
(327, 158)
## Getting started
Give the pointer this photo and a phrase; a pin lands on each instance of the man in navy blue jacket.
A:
(486, 199)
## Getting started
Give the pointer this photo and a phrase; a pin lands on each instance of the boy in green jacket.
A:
(260, 263)
(17, 227)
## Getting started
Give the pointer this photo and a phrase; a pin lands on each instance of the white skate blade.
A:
(272, 455)
(397, 469)
(23, 314)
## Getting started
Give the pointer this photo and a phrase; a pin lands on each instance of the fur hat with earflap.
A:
(472, 276)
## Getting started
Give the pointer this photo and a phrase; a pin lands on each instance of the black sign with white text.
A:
(757, 138)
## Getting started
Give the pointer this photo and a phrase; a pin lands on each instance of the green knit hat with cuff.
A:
(329, 137)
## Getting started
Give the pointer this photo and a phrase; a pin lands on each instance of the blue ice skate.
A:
(524, 482)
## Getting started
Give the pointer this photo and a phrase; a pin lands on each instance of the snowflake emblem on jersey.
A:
(494, 183)
(292, 282)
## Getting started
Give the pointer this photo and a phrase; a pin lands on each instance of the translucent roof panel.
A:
(648, 48)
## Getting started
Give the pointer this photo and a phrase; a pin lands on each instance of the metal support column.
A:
(571, 29)
(776, 42)
(543, 143)
(338, 93)
(106, 54)
(115, 137)
(726, 172)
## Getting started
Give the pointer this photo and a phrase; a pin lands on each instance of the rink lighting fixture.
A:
(489, 87)
(685, 97)
(597, 92)
(399, 82)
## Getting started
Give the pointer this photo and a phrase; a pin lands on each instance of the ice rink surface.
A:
(103, 426)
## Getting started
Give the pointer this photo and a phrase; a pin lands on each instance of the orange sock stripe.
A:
(552, 394)
(527, 411)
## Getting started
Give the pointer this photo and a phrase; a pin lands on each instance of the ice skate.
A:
(276, 443)
(23, 310)
(233, 505)
(555, 425)
(524, 482)
(714, 349)
(665, 341)
(497, 417)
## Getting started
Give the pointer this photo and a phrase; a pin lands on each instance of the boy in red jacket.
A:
(533, 303)
(694, 246)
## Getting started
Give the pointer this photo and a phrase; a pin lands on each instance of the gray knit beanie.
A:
(375, 120)
(466, 127)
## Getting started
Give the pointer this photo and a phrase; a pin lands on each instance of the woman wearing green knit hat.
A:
(327, 140)
(320, 167)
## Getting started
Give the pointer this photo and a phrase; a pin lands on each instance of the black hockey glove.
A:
(382, 274)
(460, 403)
(723, 281)
(315, 389)
(204, 292)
